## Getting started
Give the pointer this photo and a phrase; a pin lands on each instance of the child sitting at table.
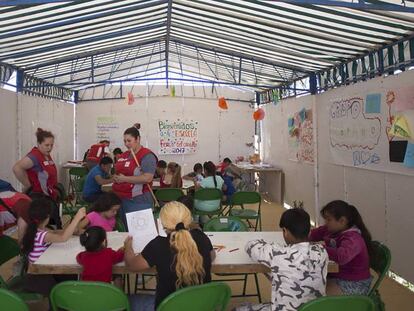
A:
(348, 242)
(97, 176)
(196, 175)
(38, 238)
(103, 212)
(160, 169)
(98, 259)
(298, 270)
(173, 177)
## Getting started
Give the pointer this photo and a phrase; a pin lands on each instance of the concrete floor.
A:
(395, 296)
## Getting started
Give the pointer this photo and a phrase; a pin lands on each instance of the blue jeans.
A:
(138, 203)
(142, 302)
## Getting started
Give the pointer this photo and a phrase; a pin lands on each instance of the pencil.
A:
(233, 250)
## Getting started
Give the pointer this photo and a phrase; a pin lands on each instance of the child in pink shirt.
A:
(347, 242)
(103, 213)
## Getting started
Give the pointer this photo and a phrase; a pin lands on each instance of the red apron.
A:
(45, 179)
(127, 166)
(96, 153)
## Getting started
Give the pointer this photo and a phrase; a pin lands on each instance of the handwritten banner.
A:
(178, 136)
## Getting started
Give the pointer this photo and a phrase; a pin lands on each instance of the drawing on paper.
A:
(300, 138)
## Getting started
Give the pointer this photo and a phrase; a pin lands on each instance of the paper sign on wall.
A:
(178, 136)
(409, 156)
(141, 226)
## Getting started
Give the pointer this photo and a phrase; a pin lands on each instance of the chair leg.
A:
(245, 284)
(257, 287)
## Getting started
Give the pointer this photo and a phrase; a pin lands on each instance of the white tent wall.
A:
(383, 198)
(221, 133)
(8, 128)
(21, 115)
(299, 177)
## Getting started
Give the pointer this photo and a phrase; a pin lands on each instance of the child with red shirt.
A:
(98, 259)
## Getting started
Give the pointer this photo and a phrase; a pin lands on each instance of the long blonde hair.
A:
(188, 261)
(175, 169)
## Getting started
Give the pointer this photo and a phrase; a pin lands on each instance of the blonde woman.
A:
(183, 258)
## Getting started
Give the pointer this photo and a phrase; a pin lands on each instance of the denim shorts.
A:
(354, 287)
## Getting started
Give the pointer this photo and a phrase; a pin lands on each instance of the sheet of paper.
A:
(141, 227)
(400, 128)
(373, 103)
(409, 156)
(161, 231)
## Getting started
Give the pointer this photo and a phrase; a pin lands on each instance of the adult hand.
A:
(119, 178)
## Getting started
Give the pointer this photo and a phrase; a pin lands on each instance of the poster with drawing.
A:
(178, 136)
(373, 131)
(300, 136)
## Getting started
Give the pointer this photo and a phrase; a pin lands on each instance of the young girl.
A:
(196, 175)
(183, 258)
(37, 239)
(103, 212)
(210, 181)
(348, 243)
(173, 177)
(98, 259)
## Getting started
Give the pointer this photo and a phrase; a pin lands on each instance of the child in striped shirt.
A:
(38, 238)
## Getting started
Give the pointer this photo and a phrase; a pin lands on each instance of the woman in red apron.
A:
(38, 174)
(134, 172)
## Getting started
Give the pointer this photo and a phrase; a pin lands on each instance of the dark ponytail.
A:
(210, 170)
(339, 209)
(39, 211)
(93, 238)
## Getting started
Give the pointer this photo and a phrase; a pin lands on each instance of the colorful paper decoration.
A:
(222, 103)
(130, 98)
(172, 91)
(400, 128)
(259, 114)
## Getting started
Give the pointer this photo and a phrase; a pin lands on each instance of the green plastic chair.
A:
(227, 224)
(242, 198)
(11, 302)
(88, 296)
(380, 261)
(10, 249)
(168, 194)
(339, 303)
(207, 297)
(208, 194)
(77, 177)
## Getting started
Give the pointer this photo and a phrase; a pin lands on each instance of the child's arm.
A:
(318, 234)
(347, 250)
(52, 237)
(102, 181)
(135, 263)
(260, 251)
(117, 256)
(82, 225)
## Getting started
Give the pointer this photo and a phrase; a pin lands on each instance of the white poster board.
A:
(373, 131)
(141, 226)
(177, 136)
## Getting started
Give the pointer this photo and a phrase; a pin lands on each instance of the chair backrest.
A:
(9, 249)
(225, 224)
(168, 194)
(88, 296)
(246, 197)
(11, 302)
(119, 225)
(208, 194)
(78, 171)
(207, 297)
(380, 261)
(79, 183)
(339, 303)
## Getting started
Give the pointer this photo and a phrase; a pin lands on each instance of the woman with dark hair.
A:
(38, 174)
(134, 173)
